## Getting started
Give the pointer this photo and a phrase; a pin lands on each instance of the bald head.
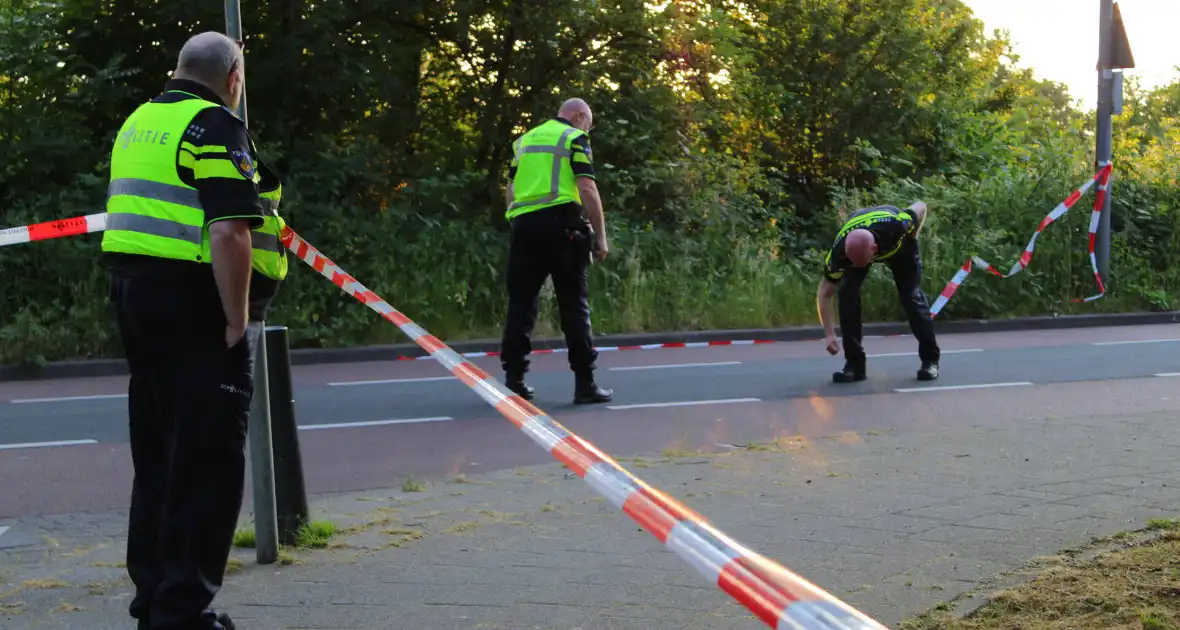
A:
(215, 61)
(860, 246)
(577, 112)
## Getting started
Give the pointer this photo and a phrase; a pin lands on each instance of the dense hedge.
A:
(729, 138)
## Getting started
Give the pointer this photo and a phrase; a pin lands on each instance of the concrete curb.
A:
(320, 356)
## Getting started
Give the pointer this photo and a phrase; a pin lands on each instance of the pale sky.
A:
(1058, 39)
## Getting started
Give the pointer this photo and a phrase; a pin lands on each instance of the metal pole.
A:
(233, 29)
(290, 492)
(1104, 134)
(266, 527)
(266, 545)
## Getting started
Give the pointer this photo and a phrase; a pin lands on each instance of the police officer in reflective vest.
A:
(192, 244)
(884, 234)
(557, 227)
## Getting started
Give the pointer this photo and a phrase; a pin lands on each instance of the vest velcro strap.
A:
(265, 242)
(155, 190)
(156, 227)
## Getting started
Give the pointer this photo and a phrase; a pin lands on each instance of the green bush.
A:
(729, 139)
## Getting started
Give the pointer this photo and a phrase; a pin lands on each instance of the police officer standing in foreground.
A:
(557, 226)
(192, 244)
(890, 235)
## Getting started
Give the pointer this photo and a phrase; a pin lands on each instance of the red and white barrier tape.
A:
(1102, 178)
(54, 229)
(779, 597)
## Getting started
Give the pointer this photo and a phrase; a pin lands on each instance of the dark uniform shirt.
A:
(889, 225)
(221, 197)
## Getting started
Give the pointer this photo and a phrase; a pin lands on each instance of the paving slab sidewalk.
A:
(891, 522)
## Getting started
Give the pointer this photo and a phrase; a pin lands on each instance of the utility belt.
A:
(568, 220)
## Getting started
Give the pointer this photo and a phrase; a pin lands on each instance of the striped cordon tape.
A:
(54, 229)
(780, 598)
(1102, 178)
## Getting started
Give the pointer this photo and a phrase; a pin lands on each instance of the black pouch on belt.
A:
(581, 241)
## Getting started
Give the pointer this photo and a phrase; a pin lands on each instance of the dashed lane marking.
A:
(670, 366)
(1133, 341)
(373, 423)
(914, 354)
(25, 401)
(11, 447)
(685, 403)
(393, 381)
(943, 388)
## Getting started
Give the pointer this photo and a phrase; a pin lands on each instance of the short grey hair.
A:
(208, 57)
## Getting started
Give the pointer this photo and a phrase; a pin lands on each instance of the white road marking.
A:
(372, 423)
(914, 354)
(393, 381)
(2, 530)
(1123, 343)
(20, 401)
(1165, 374)
(6, 447)
(944, 388)
(686, 403)
(674, 365)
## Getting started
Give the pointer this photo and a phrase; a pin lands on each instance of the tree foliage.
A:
(730, 137)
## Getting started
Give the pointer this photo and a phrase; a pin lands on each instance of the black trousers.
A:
(543, 244)
(189, 405)
(906, 267)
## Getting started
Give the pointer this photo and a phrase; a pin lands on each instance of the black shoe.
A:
(850, 374)
(515, 383)
(587, 392)
(928, 371)
(226, 622)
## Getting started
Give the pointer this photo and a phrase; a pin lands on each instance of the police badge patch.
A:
(243, 162)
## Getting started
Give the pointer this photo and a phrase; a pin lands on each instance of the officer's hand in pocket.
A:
(233, 335)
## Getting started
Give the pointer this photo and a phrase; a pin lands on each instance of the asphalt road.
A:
(63, 443)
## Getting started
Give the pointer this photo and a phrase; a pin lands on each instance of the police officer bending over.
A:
(557, 225)
(192, 244)
(890, 235)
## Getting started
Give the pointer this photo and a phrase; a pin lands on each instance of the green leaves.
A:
(729, 135)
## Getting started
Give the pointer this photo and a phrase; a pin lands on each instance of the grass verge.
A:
(1133, 587)
(313, 534)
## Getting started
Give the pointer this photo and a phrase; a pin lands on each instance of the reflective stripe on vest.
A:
(144, 224)
(269, 255)
(265, 242)
(561, 154)
(174, 229)
(148, 189)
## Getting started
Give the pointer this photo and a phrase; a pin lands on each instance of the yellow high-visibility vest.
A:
(151, 212)
(544, 177)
